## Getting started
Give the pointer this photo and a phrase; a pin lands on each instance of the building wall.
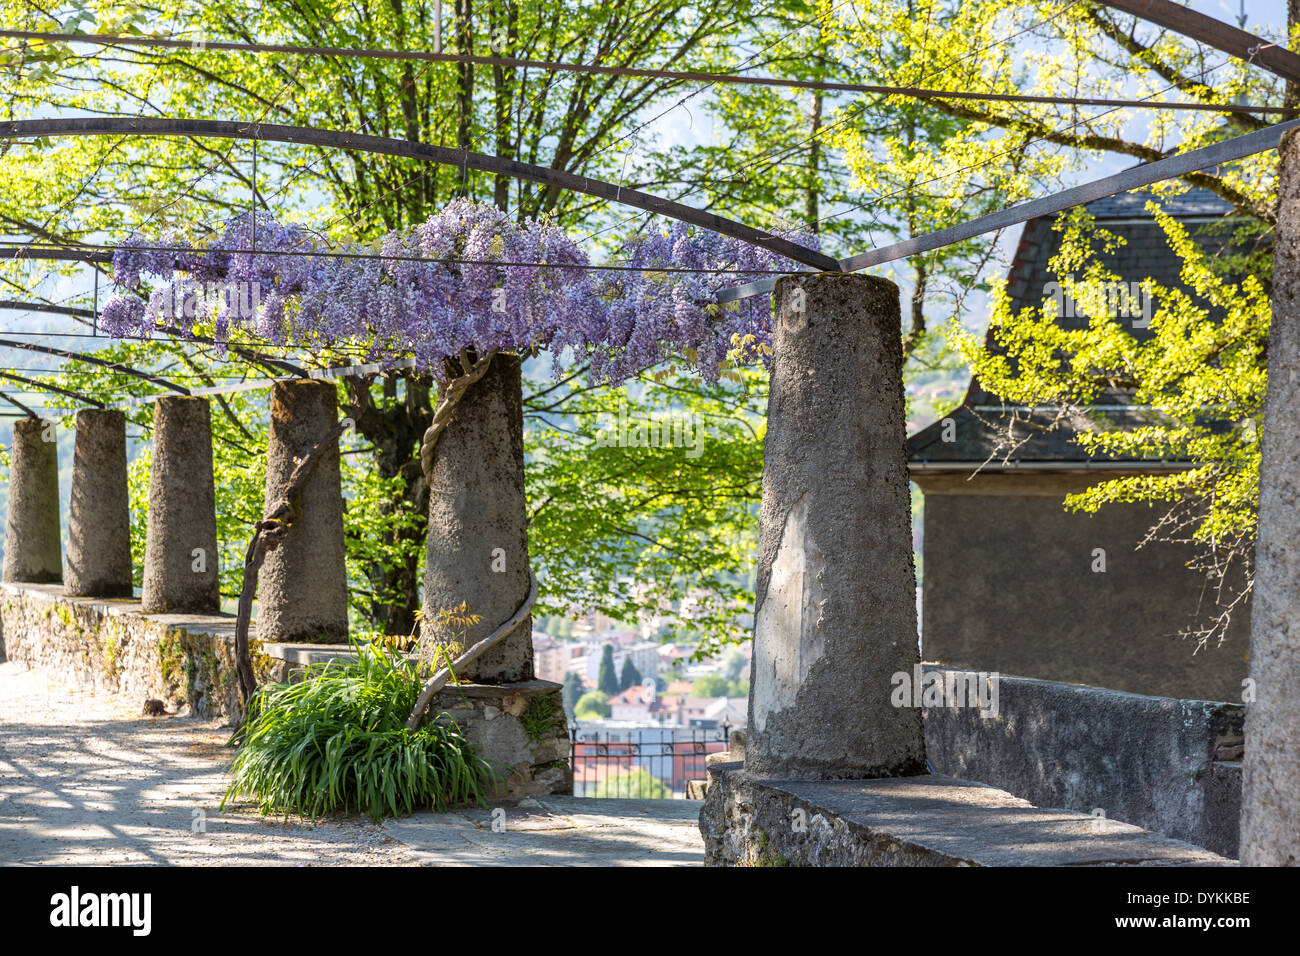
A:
(1009, 586)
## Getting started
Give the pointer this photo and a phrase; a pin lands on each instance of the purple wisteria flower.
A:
(470, 277)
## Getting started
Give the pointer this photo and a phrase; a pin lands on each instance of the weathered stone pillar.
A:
(180, 554)
(835, 605)
(303, 588)
(1270, 798)
(99, 519)
(33, 552)
(478, 543)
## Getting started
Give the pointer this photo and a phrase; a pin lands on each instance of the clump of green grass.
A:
(336, 743)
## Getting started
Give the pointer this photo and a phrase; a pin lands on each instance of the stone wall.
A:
(519, 728)
(1170, 766)
(184, 660)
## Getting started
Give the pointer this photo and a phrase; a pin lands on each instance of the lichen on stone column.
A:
(99, 519)
(33, 550)
(835, 614)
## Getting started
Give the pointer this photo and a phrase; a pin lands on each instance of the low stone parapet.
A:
(928, 820)
(1171, 766)
(187, 661)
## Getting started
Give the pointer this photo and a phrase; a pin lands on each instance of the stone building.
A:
(1012, 581)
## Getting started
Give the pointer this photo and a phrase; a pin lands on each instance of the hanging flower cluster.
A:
(469, 277)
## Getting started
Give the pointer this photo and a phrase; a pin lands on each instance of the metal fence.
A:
(645, 762)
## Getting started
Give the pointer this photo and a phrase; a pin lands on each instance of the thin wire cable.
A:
(1044, 138)
(18, 248)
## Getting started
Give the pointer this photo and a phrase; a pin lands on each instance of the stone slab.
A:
(929, 820)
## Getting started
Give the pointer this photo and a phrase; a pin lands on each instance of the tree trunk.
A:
(395, 426)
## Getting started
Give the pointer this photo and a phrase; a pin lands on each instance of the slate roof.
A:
(983, 423)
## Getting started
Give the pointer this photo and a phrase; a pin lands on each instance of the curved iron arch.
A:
(332, 139)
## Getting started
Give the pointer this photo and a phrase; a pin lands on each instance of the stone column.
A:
(478, 543)
(835, 615)
(33, 552)
(303, 587)
(99, 519)
(1270, 797)
(180, 554)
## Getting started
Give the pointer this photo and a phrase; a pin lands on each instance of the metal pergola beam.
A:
(1222, 36)
(1230, 149)
(47, 387)
(332, 139)
(69, 254)
(46, 307)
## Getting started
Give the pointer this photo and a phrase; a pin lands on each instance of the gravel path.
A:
(86, 780)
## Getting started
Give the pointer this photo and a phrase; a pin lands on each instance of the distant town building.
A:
(553, 659)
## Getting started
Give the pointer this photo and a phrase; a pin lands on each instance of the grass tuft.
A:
(335, 742)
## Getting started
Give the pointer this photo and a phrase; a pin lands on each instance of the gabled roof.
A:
(981, 426)
(986, 432)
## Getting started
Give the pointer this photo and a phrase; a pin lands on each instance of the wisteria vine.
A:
(468, 278)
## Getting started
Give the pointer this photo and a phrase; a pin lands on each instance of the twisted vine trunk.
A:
(268, 534)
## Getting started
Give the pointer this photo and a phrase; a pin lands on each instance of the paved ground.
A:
(86, 780)
(558, 831)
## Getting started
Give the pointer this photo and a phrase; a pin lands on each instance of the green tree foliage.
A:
(570, 691)
(660, 535)
(1202, 372)
(733, 662)
(638, 783)
(630, 677)
(710, 685)
(100, 188)
(1202, 368)
(593, 705)
(716, 685)
(639, 534)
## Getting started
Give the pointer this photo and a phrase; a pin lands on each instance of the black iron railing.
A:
(646, 763)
